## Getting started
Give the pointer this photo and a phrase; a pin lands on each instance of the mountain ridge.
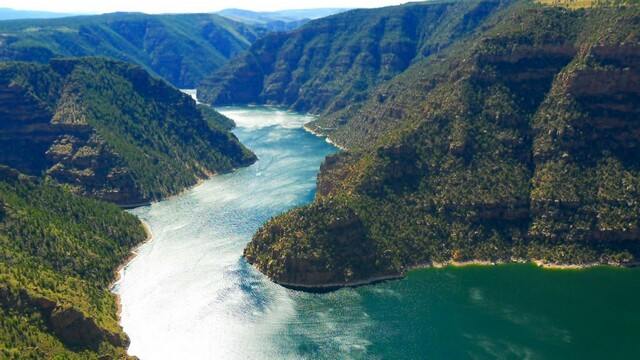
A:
(517, 145)
(14, 14)
(111, 131)
(182, 48)
(332, 62)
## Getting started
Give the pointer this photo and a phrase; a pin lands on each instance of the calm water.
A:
(189, 294)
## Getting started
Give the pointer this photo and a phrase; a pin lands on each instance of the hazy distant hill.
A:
(283, 20)
(183, 49)
(11, 14)
(279, 20)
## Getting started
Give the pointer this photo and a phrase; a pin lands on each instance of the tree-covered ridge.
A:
(333, 62)
(215, 119)
(183, 49)
(109, 130)
(58, 253)
(520, 143)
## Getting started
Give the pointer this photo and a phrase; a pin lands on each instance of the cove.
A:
(190, 295)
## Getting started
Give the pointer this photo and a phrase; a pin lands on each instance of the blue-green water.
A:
(189, 294)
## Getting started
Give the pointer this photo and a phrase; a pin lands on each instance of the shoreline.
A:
(133, 252)
(325, 288)
(539, 263)
(120, 269)
(326, 137)
(336, 286)
(147, 229)
(199, 182)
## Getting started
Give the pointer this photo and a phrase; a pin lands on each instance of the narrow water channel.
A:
(190, 295)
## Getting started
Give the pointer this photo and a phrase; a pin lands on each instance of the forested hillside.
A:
(58, 252)
(109, 130)
(517, 143)
(182, 49)
(332, 62)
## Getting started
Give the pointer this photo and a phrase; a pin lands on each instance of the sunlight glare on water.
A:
(190, 295)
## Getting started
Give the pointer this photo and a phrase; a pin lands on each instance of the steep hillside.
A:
(519, 144)
(335, 61)
(58, 253)
(183, 49)
(109, 130)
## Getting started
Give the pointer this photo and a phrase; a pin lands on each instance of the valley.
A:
(366, 183)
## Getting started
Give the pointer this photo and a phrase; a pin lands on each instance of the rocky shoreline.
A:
(120, 269)
(325, 288)
(327, 139)
(330, 287)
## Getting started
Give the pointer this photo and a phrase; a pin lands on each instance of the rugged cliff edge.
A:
(109, 130)
(518, 143)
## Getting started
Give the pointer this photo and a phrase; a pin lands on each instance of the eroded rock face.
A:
(331, 175)
(72, 327)
(59, 142)
(108, 130)
(332, 62)
(341, 255)
(25, 131)
(607, 91)
(68, 323)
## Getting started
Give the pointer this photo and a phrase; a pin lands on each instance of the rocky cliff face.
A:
(519, 144)
(111, 142)
(308, 265)
(69, 324)
(60, 143)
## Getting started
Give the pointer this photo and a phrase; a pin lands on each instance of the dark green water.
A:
(507, 311)
(190, 295)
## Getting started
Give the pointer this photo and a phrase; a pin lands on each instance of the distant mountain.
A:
(334, 61)
(183, 49)
(264, 17)
(283, 20)
(11, 14)
(109, 130)
(514, 140)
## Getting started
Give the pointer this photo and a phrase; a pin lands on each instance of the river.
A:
(190, 295)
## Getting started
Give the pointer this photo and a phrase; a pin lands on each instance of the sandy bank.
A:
(306, 128)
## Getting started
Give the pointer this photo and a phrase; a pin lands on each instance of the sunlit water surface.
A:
(190, 295)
